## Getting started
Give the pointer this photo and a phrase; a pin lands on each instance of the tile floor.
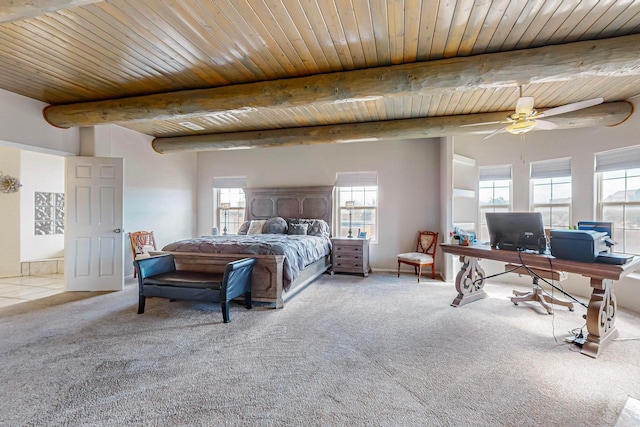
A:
(14, 290)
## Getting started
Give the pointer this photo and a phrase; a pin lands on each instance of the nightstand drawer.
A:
(345, 251)
(344, 265)
(345, 258)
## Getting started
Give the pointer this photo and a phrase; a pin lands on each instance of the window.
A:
(357, 200)
(551, 191)
(620, 204)
(229, 203)
(618, 174)
(49, 213)
(494, 193)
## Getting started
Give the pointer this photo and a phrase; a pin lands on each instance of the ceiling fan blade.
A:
(571, 107)
(545, 125)
(495, 132)
(481, 124)
(524, 106)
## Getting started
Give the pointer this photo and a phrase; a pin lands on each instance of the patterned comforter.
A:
(299, 250)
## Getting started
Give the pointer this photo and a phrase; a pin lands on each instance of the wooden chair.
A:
(140, 241)
(424, 255)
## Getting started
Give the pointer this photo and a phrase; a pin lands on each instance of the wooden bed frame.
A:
(263, 203)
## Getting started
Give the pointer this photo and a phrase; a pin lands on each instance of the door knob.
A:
(118, 230)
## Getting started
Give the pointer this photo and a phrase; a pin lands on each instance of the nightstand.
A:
(350, 255)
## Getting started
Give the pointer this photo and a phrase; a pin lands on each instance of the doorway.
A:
(32, 227)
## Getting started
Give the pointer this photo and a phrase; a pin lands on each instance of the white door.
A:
(93, 231)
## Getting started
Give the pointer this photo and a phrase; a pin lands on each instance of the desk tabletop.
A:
(588, 269)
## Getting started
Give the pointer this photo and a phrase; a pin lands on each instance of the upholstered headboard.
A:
(290, 202)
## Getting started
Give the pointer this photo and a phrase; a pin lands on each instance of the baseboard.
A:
(395, 270)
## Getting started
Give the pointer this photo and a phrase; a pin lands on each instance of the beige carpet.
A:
(347, 351)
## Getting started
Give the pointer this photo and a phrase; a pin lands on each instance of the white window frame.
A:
(555, 172)
(620, 229)
(624, 161)
(229, 190)
(497, 176)
(356, 186)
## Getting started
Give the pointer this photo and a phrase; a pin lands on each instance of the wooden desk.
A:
(601, 312)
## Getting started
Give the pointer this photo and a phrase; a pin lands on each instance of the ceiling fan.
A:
(525, 118)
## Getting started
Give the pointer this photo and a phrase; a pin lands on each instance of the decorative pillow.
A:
(316, 227)
(244, 227)
(319, 228)
(300, 229)
(275, 225)
(256, 226)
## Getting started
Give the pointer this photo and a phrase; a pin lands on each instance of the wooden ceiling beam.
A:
(609, 114)
(618, 56)
(15, 10)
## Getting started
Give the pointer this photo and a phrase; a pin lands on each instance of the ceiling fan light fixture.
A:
(526, 117)
(521, 126)
(524, 107)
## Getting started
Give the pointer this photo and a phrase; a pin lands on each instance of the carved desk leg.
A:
(601, 317)
(469, 282)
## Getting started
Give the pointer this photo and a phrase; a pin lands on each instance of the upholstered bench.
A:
(158, 277)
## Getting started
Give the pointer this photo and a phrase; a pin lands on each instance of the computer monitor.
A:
(517, 231)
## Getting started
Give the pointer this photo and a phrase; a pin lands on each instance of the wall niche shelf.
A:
(460, 192)
(464, 160)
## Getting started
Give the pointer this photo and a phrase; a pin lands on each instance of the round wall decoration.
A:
(9, 184)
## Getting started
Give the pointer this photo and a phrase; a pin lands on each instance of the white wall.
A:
(39, 173)
(408, 183)
(159, 189)
(580, 145)
(9, 216)
(22, 126)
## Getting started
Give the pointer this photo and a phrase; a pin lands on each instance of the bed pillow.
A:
(244, 227)
(319, 228)
(275, 225)
(256, 226)
(315, 227)
(298, 229)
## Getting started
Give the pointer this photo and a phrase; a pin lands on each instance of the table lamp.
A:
(225, 207)
(349, 205)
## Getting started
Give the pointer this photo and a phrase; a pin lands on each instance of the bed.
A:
(286, 262)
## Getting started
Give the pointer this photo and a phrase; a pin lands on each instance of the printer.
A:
(578, 245)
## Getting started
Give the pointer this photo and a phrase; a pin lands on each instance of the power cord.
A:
(578, 337)
(474, 283)
(534, 274)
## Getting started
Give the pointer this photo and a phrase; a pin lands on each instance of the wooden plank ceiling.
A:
(77, 52)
